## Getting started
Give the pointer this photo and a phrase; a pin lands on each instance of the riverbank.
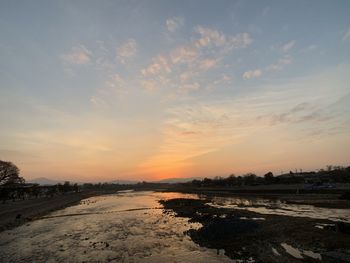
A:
(248, 235)
(16, 213)
(292, 194)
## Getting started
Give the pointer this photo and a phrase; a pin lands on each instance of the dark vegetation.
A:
(9, 174)
(322, 178)
(13, 186)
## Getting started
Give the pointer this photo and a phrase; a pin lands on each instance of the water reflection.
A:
(131, 227)
(277, 207)
(125, 227)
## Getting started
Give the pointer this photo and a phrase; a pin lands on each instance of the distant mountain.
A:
(178, 180)
(46, 181)
(43, 181)
(123, 182)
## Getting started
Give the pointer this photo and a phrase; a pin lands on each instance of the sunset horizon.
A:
(197, 131)
(114, 90)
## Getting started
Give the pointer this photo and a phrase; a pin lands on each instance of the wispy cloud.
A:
(303, 112)
(208, 63)
(197, 129)
(98, 102)
(149, 85)
(346, 35)
(205, 49)
(280, 64)
(173, 24)
(184, 54)
(190, 86)
(288, 46)
(189, 132)
(127, 50)
(252, 74)
(309, 48)
(79, 55)
(115, 82)
(213, 37)
(277, 66)
(159, 63)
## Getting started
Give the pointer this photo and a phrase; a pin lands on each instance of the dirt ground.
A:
(15, 213)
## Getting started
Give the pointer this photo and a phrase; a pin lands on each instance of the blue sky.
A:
(98, 90)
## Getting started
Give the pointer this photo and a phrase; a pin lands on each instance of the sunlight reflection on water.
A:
(131, 227)
(276, 207)
(102, 230)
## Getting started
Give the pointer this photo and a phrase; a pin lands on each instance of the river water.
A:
(278, 207)
(125, 227)
(129, 227)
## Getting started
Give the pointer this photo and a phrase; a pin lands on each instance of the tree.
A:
(232, 180)
(269, 178)
(9, 173)
(249, 179)
(75, 188)
(66, 187)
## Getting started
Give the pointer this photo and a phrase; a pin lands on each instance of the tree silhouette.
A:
(269, 178)
(9, 173)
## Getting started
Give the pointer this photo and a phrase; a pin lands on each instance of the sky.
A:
(148, 90)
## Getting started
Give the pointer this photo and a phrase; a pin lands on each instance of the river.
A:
(124, 227)
(129, 227)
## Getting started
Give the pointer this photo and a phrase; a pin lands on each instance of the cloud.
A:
(149, 85)
(159, 63)
(189, 132)
(286, 47)
(185, 54)
(346, 35)
(213, 37)
(252, 74)
(309, 48)
(280, 64)
(207, 63)
(79, 55)
(302, 112)
(98, 102)
(300, 107)
(222, 80)
(127, 50)
(190, 86)
(115, 82)
(113, 88)
(173, 24)
(205, 49)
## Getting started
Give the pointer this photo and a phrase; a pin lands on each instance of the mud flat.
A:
(256, 237)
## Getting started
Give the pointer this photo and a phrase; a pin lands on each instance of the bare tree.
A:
(9, 173)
